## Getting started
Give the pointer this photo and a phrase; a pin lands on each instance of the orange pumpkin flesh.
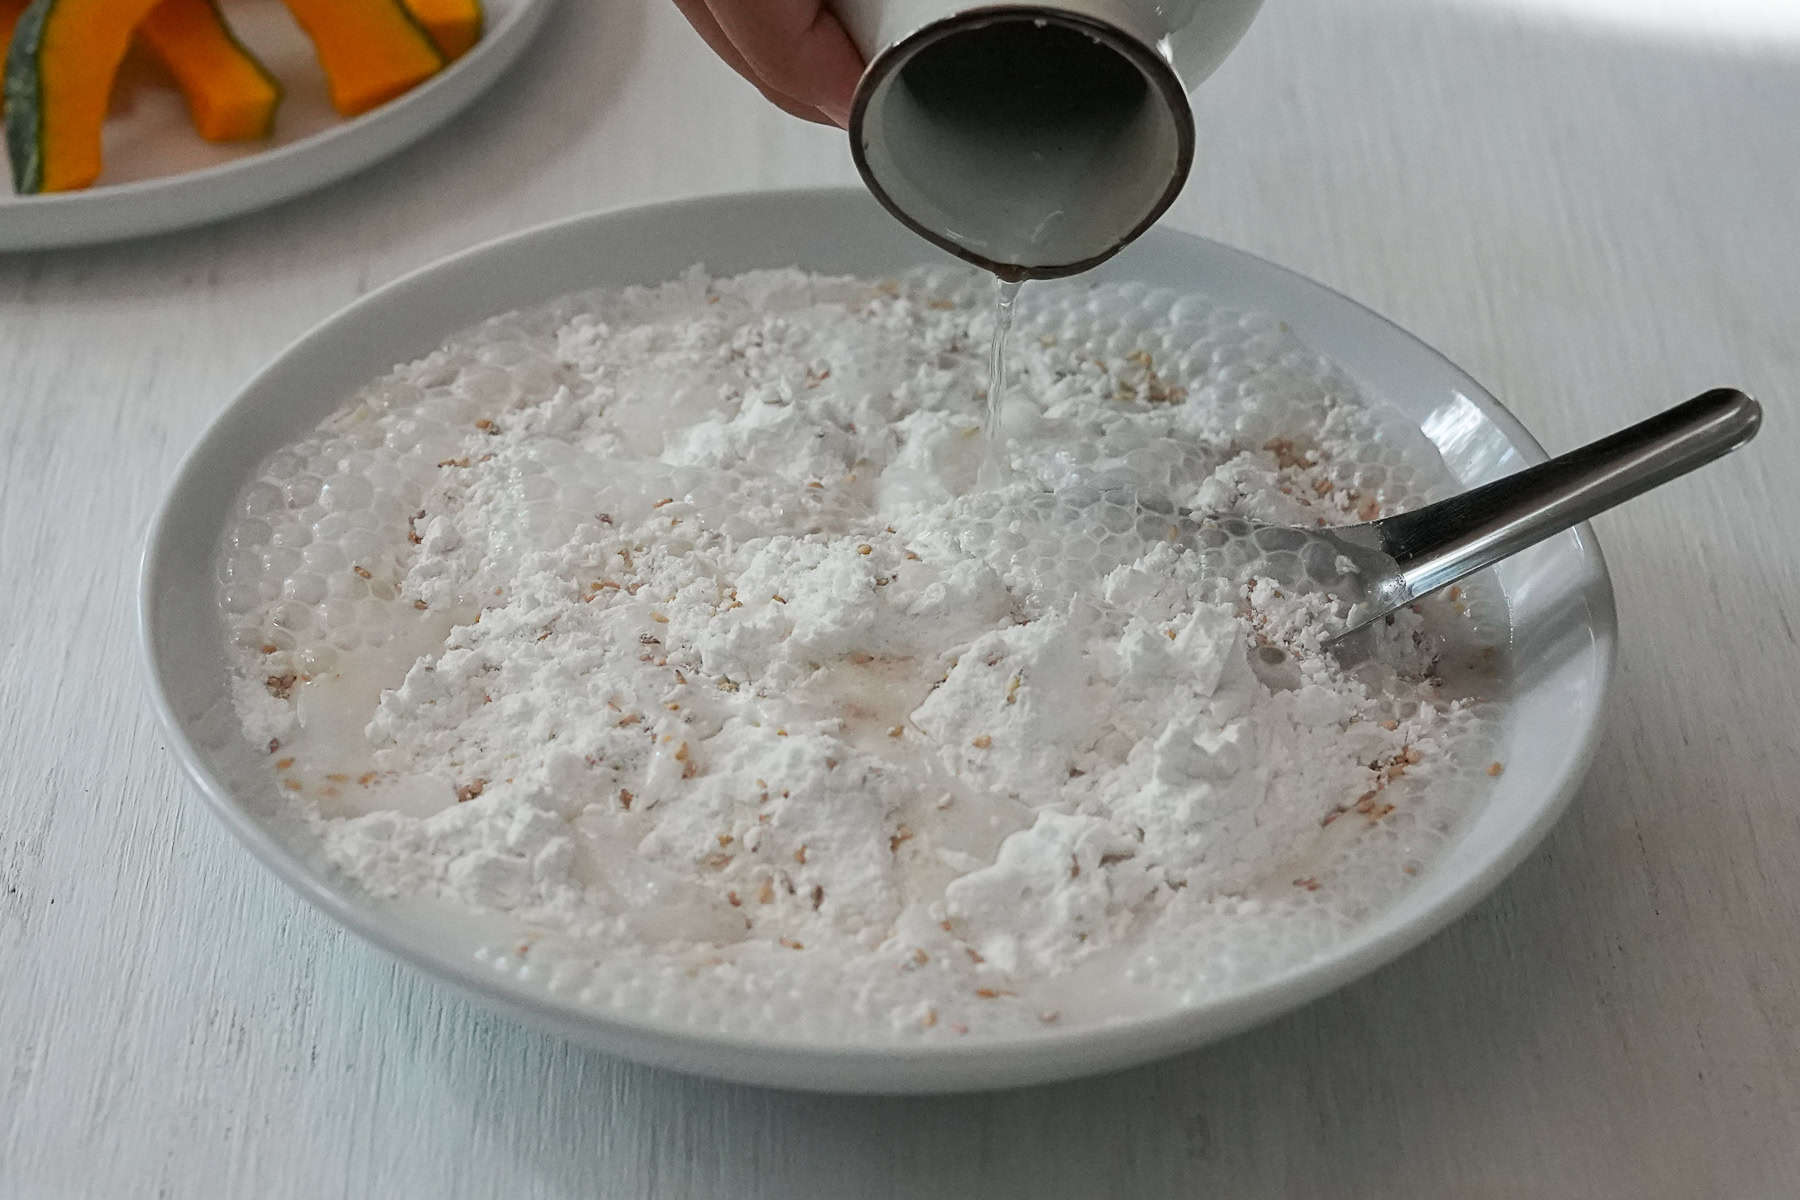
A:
(59, 77)
(229, 95)
(455, 25)
(371, 50)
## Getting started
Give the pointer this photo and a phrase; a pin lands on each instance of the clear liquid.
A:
(994, 464)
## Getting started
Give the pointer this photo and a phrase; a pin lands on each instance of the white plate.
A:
(160, 175)
(1559, 592)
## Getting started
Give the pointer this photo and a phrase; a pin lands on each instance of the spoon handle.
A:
(1443, 542)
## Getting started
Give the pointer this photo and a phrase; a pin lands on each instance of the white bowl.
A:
(160, 176)
(1559, 592)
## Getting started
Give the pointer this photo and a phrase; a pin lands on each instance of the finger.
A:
(701, 18)
(796, 47)
(794, 108)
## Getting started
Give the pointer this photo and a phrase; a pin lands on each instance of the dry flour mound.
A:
(672, 626)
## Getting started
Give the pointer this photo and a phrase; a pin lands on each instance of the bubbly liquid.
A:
(994, 465)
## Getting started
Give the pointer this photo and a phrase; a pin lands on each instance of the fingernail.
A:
(839, 114)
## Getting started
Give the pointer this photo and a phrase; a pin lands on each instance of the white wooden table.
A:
(1596, 222)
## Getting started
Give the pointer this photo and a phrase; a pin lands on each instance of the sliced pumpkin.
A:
(455, 25)
(229, 95)
(371, 50)
(59, 77)
(10, 12)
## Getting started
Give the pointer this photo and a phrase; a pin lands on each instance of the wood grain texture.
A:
(1594, 223)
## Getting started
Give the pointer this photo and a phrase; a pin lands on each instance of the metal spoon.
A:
(1384, 565)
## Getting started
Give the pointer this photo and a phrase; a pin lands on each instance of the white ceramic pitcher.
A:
(1035, 140)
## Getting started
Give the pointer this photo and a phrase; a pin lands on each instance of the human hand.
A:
(794, 51)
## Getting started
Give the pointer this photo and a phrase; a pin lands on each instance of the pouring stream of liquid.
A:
(994, 462)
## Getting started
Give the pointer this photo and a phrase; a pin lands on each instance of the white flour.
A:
(671, 626)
